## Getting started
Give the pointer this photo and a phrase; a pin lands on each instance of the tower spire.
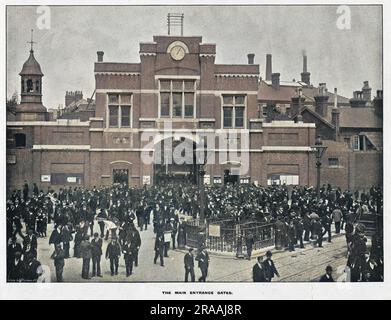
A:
(31, 42)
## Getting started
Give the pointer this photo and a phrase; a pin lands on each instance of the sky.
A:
(67, 50)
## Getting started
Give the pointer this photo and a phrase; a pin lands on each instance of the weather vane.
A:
(31, 42)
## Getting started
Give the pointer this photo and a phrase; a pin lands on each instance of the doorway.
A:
(121, 176)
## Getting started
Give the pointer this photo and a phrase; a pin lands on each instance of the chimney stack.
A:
(100, 56)
(378, 103)
(367, 91)
(357, 101)
(250, 58)
(297, 102)
(321, 100)
(335, 115)
(305, 75)
(335, 98)
(268, 67)
(276, 80)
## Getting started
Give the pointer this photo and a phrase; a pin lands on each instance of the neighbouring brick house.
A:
(352, 129)
(178, 80)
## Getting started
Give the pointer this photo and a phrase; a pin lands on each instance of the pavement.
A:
(301, 265)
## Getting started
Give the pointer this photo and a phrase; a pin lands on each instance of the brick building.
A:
(352, 129)
(176, 81)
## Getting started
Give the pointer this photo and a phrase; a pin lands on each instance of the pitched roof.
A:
(269, 93)
(288, 89)
(316, 115)
(375, 138)
(359, 118)
(31, 67)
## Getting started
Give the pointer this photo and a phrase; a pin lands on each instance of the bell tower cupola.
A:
(30, 107)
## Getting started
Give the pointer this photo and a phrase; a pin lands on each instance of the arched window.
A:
(30, 87)
(20, 140)
(22, 85)
(37, 87)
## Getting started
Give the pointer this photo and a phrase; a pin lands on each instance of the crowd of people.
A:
(117, 214)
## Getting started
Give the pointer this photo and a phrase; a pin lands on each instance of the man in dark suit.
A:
(25, 190)
(12, 248)
(159, 248)
(55, 237)
(66, 238)
(259, 271)
(328, 276)
(86, 255)
(270, 268)
(135, 243)
(318, 231)
(249, 244)
(59, 261)
(31, 268)
(203, 263)
(30, 244)
(128, 256)
(15, 268)
(96, 255)
(113, 252)
(189, 265)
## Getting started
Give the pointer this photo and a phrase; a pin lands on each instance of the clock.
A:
(177, 52)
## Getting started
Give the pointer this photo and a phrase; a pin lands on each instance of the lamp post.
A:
(201, 181)
(319, 149)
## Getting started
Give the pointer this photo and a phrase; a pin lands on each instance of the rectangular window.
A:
(113, 99)
(177, 86)
(126, 99)
(356, 143)
(234, 111)
(239, 117)
(333, 162)
(189, 104)
(227, 115)
(113, 116)
(177, 98)
(177, 105)
(264, 110)
(125, 116)
(189, 85)
(165, 85)
(347, 142)
(239, 100)
(165, 104)
(120, 107)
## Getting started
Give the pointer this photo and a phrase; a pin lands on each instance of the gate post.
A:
(239, 243)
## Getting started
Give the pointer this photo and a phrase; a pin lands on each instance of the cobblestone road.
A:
(306, 264)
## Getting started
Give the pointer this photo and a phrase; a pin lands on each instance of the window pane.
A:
(177, 104)
(239, 115)
(113, 115)
(177, 85)
(228, 100)
(113, 98)
(126, 98)
(189, 85)
(333, 162)
(239, 100)
(125, 116)
(227, 117)
(165, 104)
(165, 85)
(189, 104)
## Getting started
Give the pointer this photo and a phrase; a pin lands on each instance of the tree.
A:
(11, 105)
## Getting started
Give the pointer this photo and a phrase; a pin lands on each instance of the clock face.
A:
(177, 53)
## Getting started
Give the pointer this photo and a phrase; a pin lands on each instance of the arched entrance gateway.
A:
(175, 160)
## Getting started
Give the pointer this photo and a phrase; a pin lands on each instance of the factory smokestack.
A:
(268, 67)
(305, 75)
